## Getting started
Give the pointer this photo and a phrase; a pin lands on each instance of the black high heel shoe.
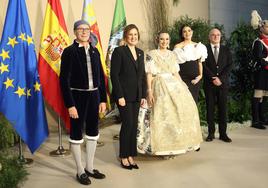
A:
(129, 167)
(134, 166)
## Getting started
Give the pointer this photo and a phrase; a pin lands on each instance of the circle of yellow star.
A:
(22, 36)
(3, 68)
(20, 91)
(28, 93)
(37, 86)
(29, 40)
(4, 54)
(12, 41)
(9, 83)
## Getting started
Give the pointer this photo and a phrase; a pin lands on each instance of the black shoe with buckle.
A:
(83, 179)
(96, 174)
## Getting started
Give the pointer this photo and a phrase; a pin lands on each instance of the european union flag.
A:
(21, 98)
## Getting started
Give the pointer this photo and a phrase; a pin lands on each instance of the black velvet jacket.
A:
(74, 73)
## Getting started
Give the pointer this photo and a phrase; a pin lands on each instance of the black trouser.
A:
(216, 96)
(263, 111)
(128, 132)
(87, 105)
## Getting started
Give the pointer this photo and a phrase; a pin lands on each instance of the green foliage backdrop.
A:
(12, 173)
(241, 40)
(7, 135)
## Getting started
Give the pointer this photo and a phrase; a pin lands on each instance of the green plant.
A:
(199, 26)
(242, 75)
(12, 173)
(202, 107)
(8, 136)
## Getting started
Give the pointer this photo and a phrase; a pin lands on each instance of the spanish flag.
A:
(53, 41)
(89, 16)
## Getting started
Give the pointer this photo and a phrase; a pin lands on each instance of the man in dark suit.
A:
(216, 73)
(84, 94)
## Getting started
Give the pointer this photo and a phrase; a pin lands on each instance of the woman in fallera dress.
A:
(190, 57)
(174, 121)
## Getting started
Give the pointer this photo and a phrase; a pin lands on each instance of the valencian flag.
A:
(116, 36)
(21, 98)
(89, 16)
(53, 41)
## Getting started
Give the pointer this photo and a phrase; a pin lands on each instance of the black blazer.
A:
(127, 75)
(260, 74)
(221, 69)
(259, 52)
(74, 73)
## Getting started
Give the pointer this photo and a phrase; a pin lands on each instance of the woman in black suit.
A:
(129, 91)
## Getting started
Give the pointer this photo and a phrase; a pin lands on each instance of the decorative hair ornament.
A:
(256, 21)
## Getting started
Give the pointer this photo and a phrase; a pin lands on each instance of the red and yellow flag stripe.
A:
(53, 41)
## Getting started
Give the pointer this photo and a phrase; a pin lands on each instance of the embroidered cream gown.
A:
(174, 125)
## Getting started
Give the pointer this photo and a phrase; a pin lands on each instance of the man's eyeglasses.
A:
(82, 30)
(215, 35)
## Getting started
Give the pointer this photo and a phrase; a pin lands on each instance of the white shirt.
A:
(89, 71)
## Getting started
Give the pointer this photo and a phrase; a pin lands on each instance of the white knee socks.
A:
(90, 148)
(76, 151)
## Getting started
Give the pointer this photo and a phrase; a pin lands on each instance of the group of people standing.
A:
(168, 82)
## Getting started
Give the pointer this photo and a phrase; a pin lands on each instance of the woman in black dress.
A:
(190, 56)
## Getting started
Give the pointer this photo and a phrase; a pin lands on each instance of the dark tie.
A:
(216, 53)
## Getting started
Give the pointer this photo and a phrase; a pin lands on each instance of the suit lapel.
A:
(220, 54)
(138, 57)
(212, 54)
(129, 54)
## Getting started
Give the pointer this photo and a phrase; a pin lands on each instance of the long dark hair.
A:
(181, 31)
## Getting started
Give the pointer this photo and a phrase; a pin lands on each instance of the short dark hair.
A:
(128, 28)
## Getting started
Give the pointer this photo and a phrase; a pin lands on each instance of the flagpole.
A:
(60, 152)
(116, 39)
(22, 160)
